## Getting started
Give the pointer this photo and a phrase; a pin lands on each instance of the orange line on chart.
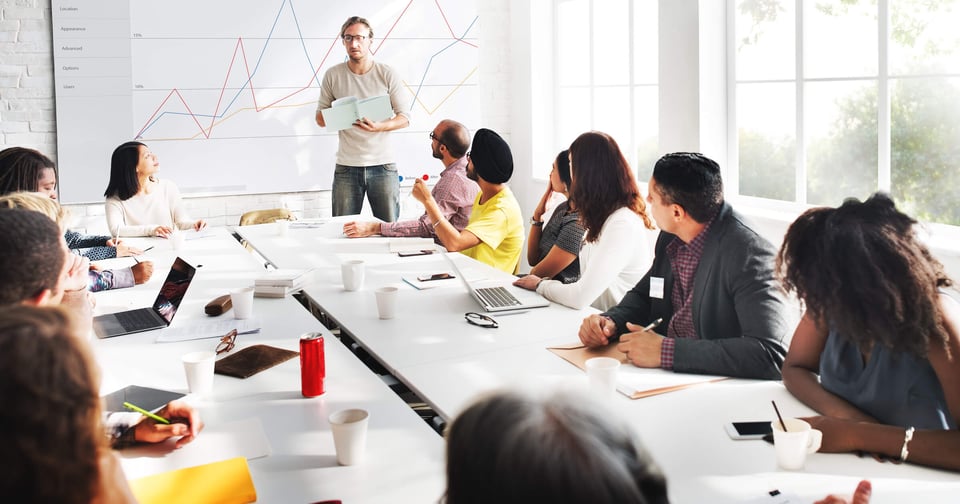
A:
(227, 117)
(454, 90)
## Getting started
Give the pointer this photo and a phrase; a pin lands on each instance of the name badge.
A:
(656, 287)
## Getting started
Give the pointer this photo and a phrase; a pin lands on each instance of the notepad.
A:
(347, 110)
(224, 482)
(633, 382)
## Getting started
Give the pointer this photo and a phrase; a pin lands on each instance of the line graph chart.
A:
(227, 95)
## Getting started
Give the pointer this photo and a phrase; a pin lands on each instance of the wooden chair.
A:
(266, 216)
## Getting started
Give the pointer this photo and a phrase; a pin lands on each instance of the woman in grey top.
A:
(878, 350)
(553, 248)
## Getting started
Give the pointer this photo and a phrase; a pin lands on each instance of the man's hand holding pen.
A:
(184, 422)
(641, 345)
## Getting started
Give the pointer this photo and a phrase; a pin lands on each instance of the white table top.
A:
(404, 458)
(448, 363)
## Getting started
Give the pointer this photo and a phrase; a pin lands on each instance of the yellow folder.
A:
(224, 482)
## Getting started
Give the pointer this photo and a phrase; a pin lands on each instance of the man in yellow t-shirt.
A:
(494, 234)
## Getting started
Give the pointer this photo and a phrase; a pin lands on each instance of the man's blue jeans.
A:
(381, 183)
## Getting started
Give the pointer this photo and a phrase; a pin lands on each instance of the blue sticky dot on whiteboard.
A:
(401, 178)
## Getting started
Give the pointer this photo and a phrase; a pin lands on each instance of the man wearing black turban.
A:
(494, 234)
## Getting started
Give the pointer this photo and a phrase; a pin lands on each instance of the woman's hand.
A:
(162, 231)
(542, 205)
(529, 282)
(124, 250)
(199, 225)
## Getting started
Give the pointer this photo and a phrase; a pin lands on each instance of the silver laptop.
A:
(499, 298)
(157, 316)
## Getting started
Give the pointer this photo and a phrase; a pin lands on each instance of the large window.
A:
(606, 75)
(841, 98)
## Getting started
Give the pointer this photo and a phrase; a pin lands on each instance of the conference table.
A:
(295, 459)
(448, 363)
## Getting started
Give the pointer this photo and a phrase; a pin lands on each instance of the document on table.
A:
(240, 438)
(633, 382)
(226, 481)
(214, 328)
(347, 110)
(191, 234)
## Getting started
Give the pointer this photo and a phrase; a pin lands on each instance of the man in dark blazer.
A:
(712, 282)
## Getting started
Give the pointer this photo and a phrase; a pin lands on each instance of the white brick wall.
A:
(27, 114)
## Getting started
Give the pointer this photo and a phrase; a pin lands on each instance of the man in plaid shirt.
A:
(711, 282)
(455, 193)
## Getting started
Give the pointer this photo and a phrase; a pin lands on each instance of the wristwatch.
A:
(535, 222)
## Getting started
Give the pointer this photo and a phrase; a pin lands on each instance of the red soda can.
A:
(312, 368)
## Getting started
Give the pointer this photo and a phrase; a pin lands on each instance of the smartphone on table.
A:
(747, 430)
(435, 276)
(411, 253)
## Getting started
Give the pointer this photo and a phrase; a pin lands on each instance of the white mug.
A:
(793, 445)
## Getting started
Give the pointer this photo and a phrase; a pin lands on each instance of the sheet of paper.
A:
(632, 381)
(375, 108)
(214, 328)
(240, 438)
(190, 234)
(226, 481)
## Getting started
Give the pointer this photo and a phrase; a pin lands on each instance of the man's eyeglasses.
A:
(227, 342)
(468, 154)
(350, 38)
(479, 319)
(433, 136)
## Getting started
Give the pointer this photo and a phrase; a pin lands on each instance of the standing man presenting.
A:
(365, 162)
(454, 193)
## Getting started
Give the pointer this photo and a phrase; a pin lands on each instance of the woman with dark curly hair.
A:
(54, 448)
(876, 351)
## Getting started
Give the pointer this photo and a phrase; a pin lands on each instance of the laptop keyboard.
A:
(497, 297)
(136, 319)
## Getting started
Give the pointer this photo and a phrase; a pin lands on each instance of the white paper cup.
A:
(199, 369)
(352, 272)
(386, 302)
(349, 429)
(793, 446)
(602, 376)
(242, 300)
(177, 238)
(283, 228)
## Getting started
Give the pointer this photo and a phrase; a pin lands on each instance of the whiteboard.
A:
(225, 91)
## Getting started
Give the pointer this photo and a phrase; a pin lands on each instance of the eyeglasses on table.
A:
(227, 342)
(481, 320)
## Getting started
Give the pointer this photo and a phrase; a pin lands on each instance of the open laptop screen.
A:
(173, 289)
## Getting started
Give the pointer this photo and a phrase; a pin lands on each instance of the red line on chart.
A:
(239, 47)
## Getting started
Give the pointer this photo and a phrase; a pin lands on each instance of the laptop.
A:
(157, 316)
(499, 298)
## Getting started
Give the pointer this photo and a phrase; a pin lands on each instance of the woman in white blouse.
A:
(138, 202)
(617, 251)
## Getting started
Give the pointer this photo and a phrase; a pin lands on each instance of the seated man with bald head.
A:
(454, 192)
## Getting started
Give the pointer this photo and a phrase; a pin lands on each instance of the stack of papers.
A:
(632, 381)
(279, 283)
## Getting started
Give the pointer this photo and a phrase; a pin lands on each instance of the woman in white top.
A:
(617, 251)
(138, 202)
